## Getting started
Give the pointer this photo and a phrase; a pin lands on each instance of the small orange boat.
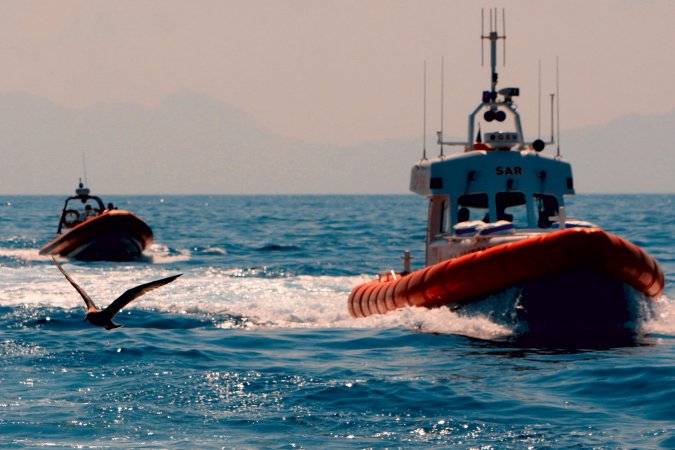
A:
(96, 232)
(497, 223)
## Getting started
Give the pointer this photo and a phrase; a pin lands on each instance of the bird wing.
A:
(134, 293)
(87, 300)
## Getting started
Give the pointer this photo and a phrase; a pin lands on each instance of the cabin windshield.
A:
(78, 209)
(524, 211)
(547, 206)
(445, 212)
(512, 207)
(88, 203)
(472, 207)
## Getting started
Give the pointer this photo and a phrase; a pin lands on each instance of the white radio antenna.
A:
(552, 116)
(492, 28)
(503, 32)
(424, 115)
(442, 96)
(539, 104)
(84, 169)
(557, 89)
(482, 33)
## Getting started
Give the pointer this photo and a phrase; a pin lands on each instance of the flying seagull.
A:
(103, 318)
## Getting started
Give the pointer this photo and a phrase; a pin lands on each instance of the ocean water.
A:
(253, 346)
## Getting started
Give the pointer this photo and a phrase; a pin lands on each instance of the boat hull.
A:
(116, 235)
(581, 301)
(540, 266)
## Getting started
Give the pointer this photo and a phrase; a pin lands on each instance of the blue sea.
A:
(253, 346)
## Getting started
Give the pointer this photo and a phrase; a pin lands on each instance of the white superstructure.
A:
(500, 188)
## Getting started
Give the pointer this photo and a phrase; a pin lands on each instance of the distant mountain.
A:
(192, 144)
(633, 153)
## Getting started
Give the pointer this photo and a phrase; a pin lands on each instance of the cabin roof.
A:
(490, 172)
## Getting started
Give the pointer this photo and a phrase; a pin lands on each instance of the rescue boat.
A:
(497, 224)
(91, 231)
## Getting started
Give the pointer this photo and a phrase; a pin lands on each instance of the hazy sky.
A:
(342, 71)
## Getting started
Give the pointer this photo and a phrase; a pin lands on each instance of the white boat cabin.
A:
(500, 188)
(524, 188)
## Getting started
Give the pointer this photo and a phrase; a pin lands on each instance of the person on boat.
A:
(88, 213)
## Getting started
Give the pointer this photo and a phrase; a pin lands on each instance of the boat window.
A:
(511, 206)
(472, 207)
(87, 206)
(79, 209)
(445, 216)
(547, 206)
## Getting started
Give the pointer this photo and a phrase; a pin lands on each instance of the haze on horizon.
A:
(318, 96)
(341, 71)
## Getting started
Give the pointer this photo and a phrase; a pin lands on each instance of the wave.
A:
(217, 297)
(659, 317)
(22, 254)
(156, 253)
(162, 254)
(249, 298)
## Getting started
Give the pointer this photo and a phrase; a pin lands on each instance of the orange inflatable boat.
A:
(497, 223)
(116, 235)
(475, 275)
(91, 231)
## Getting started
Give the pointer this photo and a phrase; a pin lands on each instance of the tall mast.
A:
(493, 37)
(497, 104)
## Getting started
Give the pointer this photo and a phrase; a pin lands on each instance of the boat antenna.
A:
(84, 169)
(552, 116)
(503, 33)
(424, 116)
(442, 97)
(482, 33)
(539, 104)
(557, 89)
(493, 29)
(493, 37)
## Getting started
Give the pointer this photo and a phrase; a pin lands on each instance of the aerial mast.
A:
(493, 37)
(442, 97)
(424, 120)
(496, 105)
(557, 116)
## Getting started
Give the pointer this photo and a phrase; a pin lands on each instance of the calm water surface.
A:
(254, 348)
